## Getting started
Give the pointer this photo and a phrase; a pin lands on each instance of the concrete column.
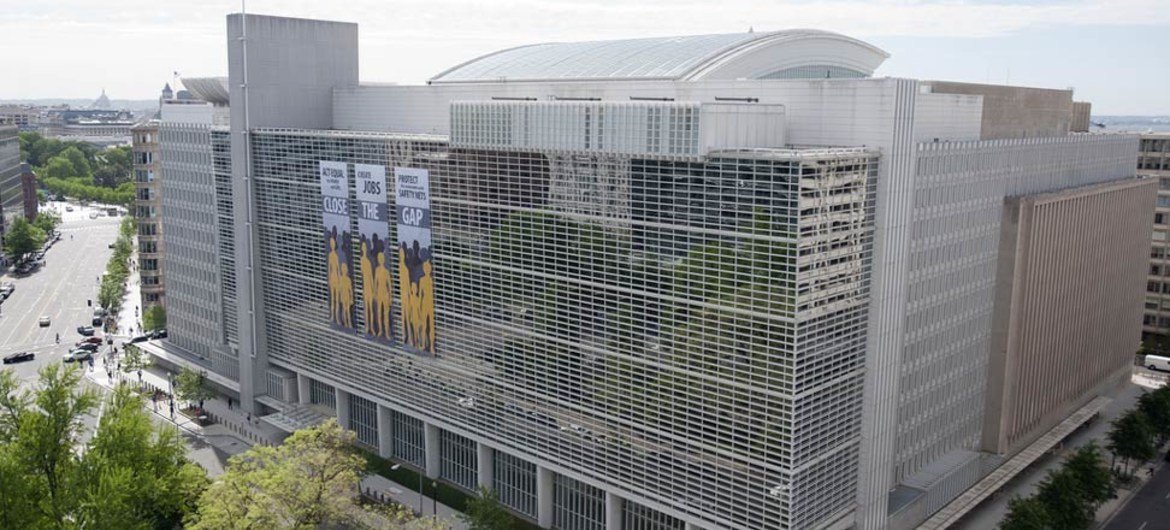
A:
(613, 511)
(342, 407)
(544, 497)
(303, 389)
(433, 454)
(385, 432)
(484, 458)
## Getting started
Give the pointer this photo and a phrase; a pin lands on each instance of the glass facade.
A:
(678, 323)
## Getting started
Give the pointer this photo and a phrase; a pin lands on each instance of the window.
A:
(515, 480)
(1153, 287)
(363, 420)
(1159, 219)
(322, 394)
(459, 460)
(1155, 270)
(1157, 252)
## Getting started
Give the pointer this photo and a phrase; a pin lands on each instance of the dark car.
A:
(19, 357)
(88, 331)
(88, 346)
(158, 334)
(97, 321)
(90, 340)
(140, 338)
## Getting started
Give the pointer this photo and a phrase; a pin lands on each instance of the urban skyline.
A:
(1085, 44)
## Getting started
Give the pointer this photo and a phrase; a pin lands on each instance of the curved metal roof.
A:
(210, 89)
(672, 58)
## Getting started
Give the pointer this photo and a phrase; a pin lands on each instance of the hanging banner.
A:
(338, 249)
(415, 272)
(374, 250)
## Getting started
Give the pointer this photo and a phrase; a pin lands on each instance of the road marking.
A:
(1143, 526)
(1167, 496)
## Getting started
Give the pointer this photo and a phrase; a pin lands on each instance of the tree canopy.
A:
(192, 386)
(310, 481)
(130, 474)
(154, 318)
(484, 512)
(22, 238)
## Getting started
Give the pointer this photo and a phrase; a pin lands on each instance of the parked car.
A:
(69, 208)
(88, 346)
(158, 334)
(78, 356)
(88, 331)
(140, 338)
(19, 357)
(8, 287)
(89, 340)
(97, 321)
(44, 321)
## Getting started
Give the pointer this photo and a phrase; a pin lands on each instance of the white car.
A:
(44, 321)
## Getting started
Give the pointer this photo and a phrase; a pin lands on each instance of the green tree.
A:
(310, 481)
(1092, 473)
(22, 238)
(484, 512)
(1065, 501)
(1132, 438)
(1156, 406)
(1026, 513)
(192, 386)
(47, 221)
(154, 318)
(78, 161)
(134, 474)
(129, 475)
(113, 167)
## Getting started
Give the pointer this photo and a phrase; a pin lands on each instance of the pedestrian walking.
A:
(229, 403)
(172, 410)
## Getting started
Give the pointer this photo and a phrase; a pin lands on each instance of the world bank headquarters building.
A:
(716, 281)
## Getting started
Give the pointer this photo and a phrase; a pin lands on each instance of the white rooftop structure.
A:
(798, 53)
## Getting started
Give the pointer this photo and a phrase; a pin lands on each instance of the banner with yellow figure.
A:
(416, 287)
(374, 264)
(338, 249)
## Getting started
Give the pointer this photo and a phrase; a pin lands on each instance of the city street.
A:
(1149, 508)
(59, 290)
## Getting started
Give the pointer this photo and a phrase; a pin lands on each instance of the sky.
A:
(1114, 53)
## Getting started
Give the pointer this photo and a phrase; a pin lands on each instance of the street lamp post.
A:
(395, 467)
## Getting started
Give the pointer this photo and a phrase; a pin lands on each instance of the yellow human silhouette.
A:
(417, 316)
(345, 294)
(333, 272)
(405, 294)
(368, 289)
(426, 294)
(382, 296)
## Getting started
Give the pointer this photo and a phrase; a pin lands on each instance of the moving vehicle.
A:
(93, 215)
(158, 334)
(44, 321)
(1158, 363)
(8, 287)
(89, 340)
(88, 331)
(19, 357)
(77, 356)
(140, 338)
(69, 208)
(88, 346)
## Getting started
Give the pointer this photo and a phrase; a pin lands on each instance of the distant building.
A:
(28, 188)
(147, 208)
(102, 102)
(1154, 161)
(11, 196)
(100, 127)
(26, 117)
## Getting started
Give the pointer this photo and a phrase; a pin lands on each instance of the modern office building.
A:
(1154, 162)
(11, 195)
(718, 281)
(147, 211)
